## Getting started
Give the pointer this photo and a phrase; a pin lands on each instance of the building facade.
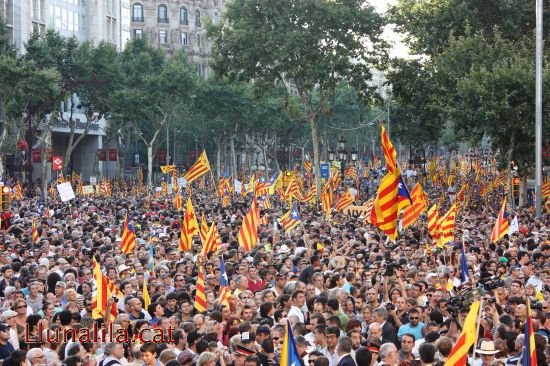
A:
(177, 24)
(87, 20)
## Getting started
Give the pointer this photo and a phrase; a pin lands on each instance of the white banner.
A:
(65, 191)
(238, 186)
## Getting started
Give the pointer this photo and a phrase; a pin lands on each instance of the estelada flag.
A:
(344, 201)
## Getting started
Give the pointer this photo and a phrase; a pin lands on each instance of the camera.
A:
(114, 298)
(536, 305)
(390, 306)
(491, 283)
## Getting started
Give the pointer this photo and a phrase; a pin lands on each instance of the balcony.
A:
(162, 20)
(137, 20)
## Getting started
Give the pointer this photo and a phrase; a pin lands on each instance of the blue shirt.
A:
(415, 331)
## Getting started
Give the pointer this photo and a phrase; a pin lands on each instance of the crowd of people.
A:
(351, 297)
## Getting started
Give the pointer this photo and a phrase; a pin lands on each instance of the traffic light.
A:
(6, 198)
(515, 190)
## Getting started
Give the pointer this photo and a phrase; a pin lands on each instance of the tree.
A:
(223, 110)
(159, 87)
(95, 76)
(474, 72)
(429, 25)
(417, 118)
(313, 43)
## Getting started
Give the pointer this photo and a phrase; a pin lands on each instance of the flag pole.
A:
(477, 330)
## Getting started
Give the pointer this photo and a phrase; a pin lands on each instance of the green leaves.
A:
(315, 43)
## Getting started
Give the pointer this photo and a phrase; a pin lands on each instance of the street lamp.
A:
(341, 156)
(354, 156)
(341, 144)
(331, 155)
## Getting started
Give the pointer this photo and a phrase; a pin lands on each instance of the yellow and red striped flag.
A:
(189, 227)
(307, 165)
(459, 354)
(200, 167)
(213, 241)
(384, 211)
(250, 186)
(128, 238)
(264, 220)
(385, 207)
(18, 191)
(104, 288)
(168, 169)
(200, 295)
(178, 202)
(433, 221)
(412, 213)
(389, 151)
(344, 201)
(529, 354)
(368, 211)
(447, 226)
(248, 233)
(326, 198)
(293, 190)
(203, 229)
(501, 225)
(545, 189)
(34, 233)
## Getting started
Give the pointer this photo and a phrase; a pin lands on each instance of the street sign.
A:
(93, 180)
(57, 163)
(325, 170)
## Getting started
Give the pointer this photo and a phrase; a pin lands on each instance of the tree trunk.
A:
(316, 155)
(71, 145)
(233, 157)
(265, 162)
(523, 199)
(47, 143)
(149, 166)
(218, 158)
(122, 156)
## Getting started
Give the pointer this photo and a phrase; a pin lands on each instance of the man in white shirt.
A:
(8, 317)
(298, 301)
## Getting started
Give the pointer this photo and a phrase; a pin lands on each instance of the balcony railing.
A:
(138, 19)
(162, 20)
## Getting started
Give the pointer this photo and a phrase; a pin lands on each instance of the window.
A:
(137, 13)
(183, 15)
(163, 37)
(198, 19)
(163, 14)
(184, 40)
(138, 33)
(37, 9)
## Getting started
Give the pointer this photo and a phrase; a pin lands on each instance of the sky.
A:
(399, 49)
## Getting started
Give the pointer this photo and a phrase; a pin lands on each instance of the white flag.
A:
(514, 226)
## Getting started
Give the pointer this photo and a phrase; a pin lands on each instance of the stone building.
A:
(174, 25)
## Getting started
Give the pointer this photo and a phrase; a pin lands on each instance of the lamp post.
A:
(342, 155)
